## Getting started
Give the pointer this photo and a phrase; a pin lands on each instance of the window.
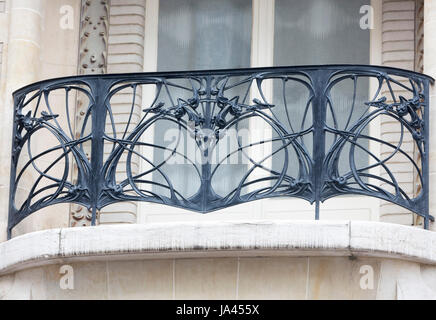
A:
(316, 32)
(209, 34)
(195, 35)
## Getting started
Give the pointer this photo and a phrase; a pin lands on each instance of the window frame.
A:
(262, 55)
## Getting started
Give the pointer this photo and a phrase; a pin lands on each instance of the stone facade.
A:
(430, 68)
(228, 260)
(227, 278)
(398, 50)
(125, 54)
(37, 48)
(248, 259)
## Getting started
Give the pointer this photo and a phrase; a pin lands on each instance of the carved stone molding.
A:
(93, 46)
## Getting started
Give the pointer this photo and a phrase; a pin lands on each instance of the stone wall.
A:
(38, 48)
(228, 278)
(398, 50)
(430, 69)
(252, 259)
(125, 54)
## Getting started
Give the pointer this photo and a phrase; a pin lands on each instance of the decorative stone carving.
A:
(94, 29)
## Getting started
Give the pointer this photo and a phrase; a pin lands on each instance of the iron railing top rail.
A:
(318, 139)
(233, 72)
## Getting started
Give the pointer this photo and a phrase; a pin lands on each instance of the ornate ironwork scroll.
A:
(93, 46)
(318, 141)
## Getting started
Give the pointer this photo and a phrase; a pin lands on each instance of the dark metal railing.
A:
(317, 138)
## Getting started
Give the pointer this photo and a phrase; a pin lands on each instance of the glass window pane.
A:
(319, 32)
(204, 34)
(195, 35)
(313, 32)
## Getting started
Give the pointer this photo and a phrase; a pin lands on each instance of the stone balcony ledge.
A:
(218, 239)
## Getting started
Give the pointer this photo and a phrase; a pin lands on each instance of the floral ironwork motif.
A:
(308, 152)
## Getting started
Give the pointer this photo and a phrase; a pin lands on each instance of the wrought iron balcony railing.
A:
(308, 133)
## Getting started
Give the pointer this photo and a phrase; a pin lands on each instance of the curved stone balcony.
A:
(208, 140)
(223, 260)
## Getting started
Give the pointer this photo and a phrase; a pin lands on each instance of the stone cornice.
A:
(218, 239)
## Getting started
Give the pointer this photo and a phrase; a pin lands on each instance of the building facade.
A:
(355, 246)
